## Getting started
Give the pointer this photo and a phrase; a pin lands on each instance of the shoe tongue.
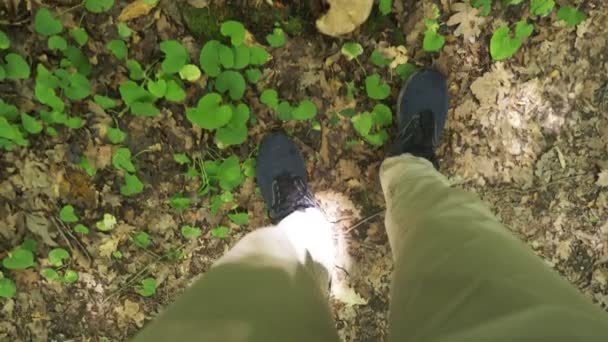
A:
(290, 193)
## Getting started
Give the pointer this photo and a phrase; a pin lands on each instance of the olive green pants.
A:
(459, 275)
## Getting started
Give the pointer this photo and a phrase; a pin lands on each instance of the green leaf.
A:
(87, 167)
(117, 255)
(70, 276)
(78, 60)
(503, 46)
(107, 223)
(78, 87)
(16, 67)
(571, 15)
(8, 111)
(29, 244)
(377, 139)
(285, 111)
(229, 173)
(57, 43)
(5, 42)
(175, 93)
(258, 55)
(239, 218)
(57, 255)
(378, 59)
(118, 48)
(209, 113)
(235, 132)
(115, 135)
(158, 88)
(190, 73)
(30, 124)
(104, 101)
(179, 202)
(226, 56)
(253, 75)
(242, 56)
(18, 259)
(181, 158)
(375, 89)
(209, 58)
(385, 6)
(147, 287)
(382, 115)
(132, 185)
(485, 5)
(220, 232)
(231, 81)
(270, 98)
(351, 50)
(7, 288)
(190, 232)
(363, 123)
(433, 41)
(249, 167)
(235, 30)
(81, 229)
(136, 72)
(277, 38)
(406, 70)
(123, 30)
(176, 56)
(98, 6)
(305, 110)
(131, 92)
(81, 37)
(11, 133)
(121, 159)
(45, 24)
(142, 240)
(541, 7)
(67, 214)
(50, 274)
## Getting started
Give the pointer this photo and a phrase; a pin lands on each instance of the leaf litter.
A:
(526, 134)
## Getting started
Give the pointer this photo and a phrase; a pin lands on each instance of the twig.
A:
(369, 218)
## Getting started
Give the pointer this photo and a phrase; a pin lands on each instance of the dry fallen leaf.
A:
(136, 9)
(602, 179)
(344, 16)
(347, 295)
(468, 21)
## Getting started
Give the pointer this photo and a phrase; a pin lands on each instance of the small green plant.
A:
(181, 159)
(176, 56)
(123, 30)
(190, 73)
(220, 232)
(571, 15)
(378, 59)
(46, 24)
(351, 50)
(67, 214)
(19, 259)
(107, 223)
(86, 166)
(385, 6)
(180, 202)
(270, 98)
(235, 30)
(118, 48)
(81, 229)
(121, 159)
(98, 6)
(277, 38)
(190, 233)
(116, 135)
(132, 186)
(57, 255)
(372, 126)
(7, 287)
(80, 36)
(503, 45)
(433, 41)
(541, 8)
(147, 288)
(142, 240)
(485, 6)
(239, 218)
(375, 88)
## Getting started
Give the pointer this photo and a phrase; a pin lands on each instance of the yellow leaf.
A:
(136, 9)
(602, 179)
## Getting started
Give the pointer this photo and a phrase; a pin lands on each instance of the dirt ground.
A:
(529, 135)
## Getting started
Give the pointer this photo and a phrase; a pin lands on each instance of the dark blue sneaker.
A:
(281, 176)
(422, 110)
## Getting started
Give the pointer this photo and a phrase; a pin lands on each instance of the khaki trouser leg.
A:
(460, 275)
(267, 288)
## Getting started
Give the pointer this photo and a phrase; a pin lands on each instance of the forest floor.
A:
(529, 135)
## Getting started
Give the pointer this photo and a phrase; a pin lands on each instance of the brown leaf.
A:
(468, 21)
(602, 179)
(136, 9)
(344, 16)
